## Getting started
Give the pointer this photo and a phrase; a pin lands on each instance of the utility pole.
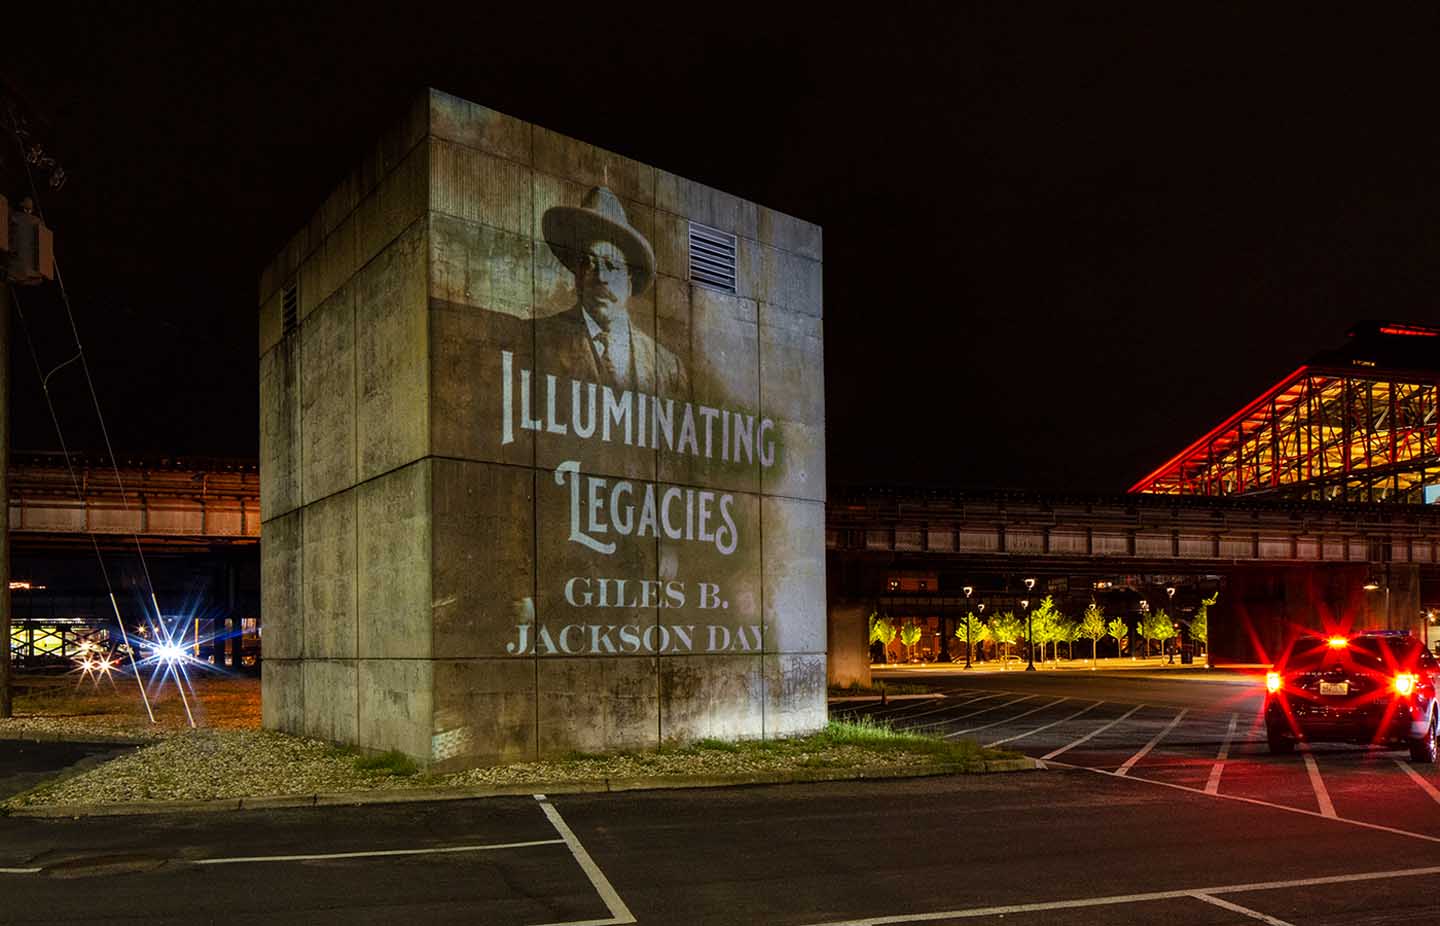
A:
(27, 258)
(7, 706)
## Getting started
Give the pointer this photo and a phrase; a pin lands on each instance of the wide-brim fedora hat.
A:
(569, 230)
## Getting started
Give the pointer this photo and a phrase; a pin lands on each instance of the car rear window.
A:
(1385, 654)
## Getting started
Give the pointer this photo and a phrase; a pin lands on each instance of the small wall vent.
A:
(712, 257)
(290, 307)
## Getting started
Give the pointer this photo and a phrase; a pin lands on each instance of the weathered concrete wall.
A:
(459, 564)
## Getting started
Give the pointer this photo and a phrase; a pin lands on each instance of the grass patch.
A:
(829, 746)
(893, 688)
(393, 763)
(719, 745)
(881, 737)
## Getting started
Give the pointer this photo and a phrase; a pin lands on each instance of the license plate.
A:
(1334, 688)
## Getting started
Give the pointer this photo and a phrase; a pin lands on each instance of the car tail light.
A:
(1338, 642)
(1272, 681)
(1405, 683)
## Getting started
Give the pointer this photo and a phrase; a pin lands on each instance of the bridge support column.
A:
(848, 645)
(237, 639)
(1264, 607)
(6, 706)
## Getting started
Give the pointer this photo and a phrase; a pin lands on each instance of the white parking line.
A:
(1213, 784)
(1322, 794)
(1019, 736)
(949, 694)
(619, 913)
(946, 707)
(1209, 893)
(1096, 732)
(1420, 780)
(1243, 911)
(1129, 763)
(380, 853)
(1363, 824)
(986, 726)
(937, 723)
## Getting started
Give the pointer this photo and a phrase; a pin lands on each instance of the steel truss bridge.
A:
(1357, 424)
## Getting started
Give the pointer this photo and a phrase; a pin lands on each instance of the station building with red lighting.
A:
(1360, 423)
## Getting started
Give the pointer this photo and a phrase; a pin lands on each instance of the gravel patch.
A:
(698, 763)
(210, 765)
(227, 764)
(56, 707)
(98, 728)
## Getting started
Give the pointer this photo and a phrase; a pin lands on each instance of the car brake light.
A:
(1272, 681)
(1405, 683)
(1338, 642)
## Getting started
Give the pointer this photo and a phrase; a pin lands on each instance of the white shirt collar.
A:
(591, 324)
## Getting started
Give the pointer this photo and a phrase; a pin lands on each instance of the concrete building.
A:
(542, 453)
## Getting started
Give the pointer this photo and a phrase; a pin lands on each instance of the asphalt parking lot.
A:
(1160, 805)
(1204, 735)
(26, 763)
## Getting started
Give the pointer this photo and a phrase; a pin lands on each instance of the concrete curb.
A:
(45, 736)
(608, 785)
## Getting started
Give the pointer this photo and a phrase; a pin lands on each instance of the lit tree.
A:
(1070, 633)
(1006, 629)
(1092, 626)
(978, 630)
(1117, 629)
(909, 636)
(1200, 623)
(882, 631)
(1156, 626)
(1167, 628)
(1047, 621)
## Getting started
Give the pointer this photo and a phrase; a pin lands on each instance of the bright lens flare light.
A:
(1338, 642)
(95, 664)
(170, 652)
(1272, 681)
(1405, 683)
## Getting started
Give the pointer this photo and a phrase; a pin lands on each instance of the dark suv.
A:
(1372, 687)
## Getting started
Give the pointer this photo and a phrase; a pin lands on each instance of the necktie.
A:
(607, 357)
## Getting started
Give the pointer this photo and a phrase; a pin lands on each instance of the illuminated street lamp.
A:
(969, 590)
(1373, 585)
(1029, 627)
(1140, 629)
(1170, 593)
(980, 612)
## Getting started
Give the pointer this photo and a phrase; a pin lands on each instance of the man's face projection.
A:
(603, 281)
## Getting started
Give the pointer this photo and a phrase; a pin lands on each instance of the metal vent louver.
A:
(712, 257)
(290, 307)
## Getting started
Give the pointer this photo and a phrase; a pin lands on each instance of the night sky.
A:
(1059, 244)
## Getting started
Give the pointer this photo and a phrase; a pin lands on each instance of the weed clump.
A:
(394, 763)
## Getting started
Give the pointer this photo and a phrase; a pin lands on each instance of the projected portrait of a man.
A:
(595, 340)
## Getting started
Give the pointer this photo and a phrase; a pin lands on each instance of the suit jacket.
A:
(563, 347)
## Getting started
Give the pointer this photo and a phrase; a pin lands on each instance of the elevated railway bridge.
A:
(1279, 564)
